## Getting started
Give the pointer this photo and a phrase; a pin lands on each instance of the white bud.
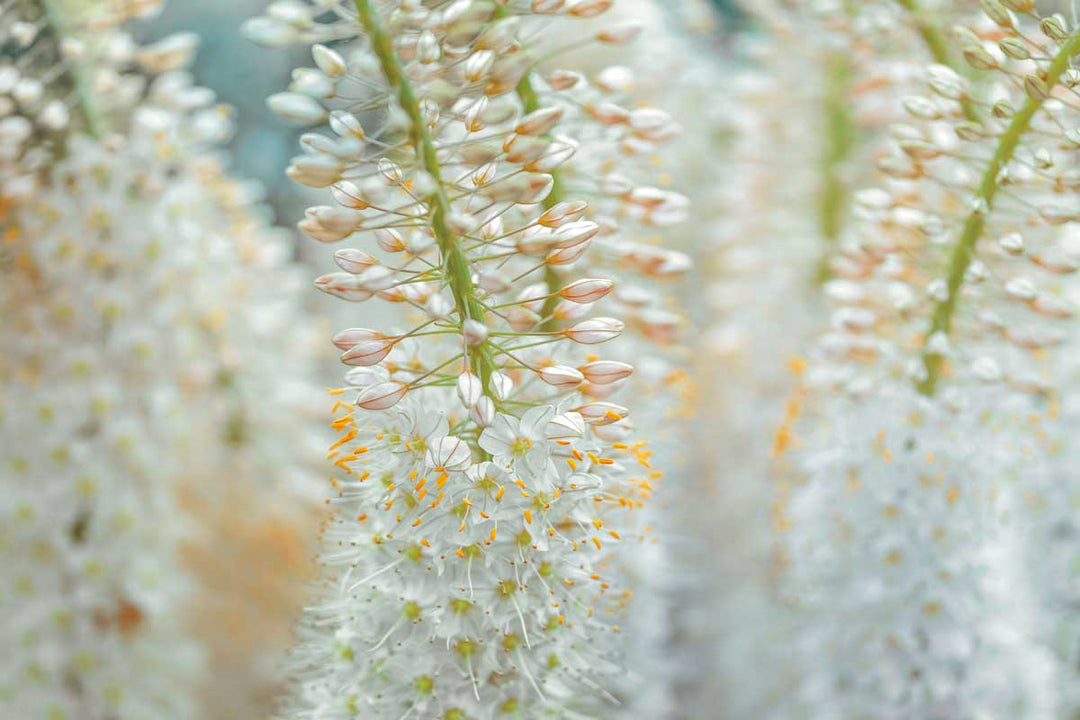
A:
(562, 377)
(594, 331)
(297, 108)
(381, 396)
(368, 352)
(569, 425)
(501, 385)
(346, 339)
(345, 286)
(329, 61)
(588, 290)
(469, 389)
(605, 372)
(483, 412)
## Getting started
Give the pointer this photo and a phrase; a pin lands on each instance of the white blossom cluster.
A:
(924, 530)
(487, 478)
(139, 290)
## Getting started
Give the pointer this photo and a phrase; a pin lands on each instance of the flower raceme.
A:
(487, 471)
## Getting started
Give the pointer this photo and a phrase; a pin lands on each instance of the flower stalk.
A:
(964, 251)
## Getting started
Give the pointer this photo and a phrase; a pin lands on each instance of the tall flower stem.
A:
(95, 123)
(964, 251)
(455, 265)
(840, 137)
(530, 102)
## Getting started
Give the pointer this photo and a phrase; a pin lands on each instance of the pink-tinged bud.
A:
(521, 149)
(566, 256)
(381, 396)
(469, 389)
(345, 286)
(449, 453)
(602, 413)
(522, 319)
(594, 331)
(539, 121)
(576, 233)
(564, 79)
(567, 426)
(547, 7)
(368, 352)
(588, 290)
(348, 338)
(390, 240)
(616, 185)
(607, 113)
(590, 8)
(474, 332)
(620, 34)
(652, 124)
(483, 412)
(536, 242)
(354, 261)
(605, 372)
(569, 311)
(562, 213)
(562, 377)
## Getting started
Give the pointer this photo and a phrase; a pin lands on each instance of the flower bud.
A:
(469, 389)
(345, 286)
(346, 339)
(561, 213)
(368, 352)
(483, 412)
(539, 121)
(562, 377)
(329, 61)
(594, 331)
(620, 34)
(381, 396)
(296, 108)
(587, 290)
(354, 261)
(605, 372)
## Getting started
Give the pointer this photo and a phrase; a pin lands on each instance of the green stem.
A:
(938, 47)
(95, 122)
(840, 139)
(530, 102)
(456, 265)
(964, 251)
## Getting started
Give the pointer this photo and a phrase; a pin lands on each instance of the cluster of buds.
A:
(917, 499)
(486, 472)
(139, 287)
(958, 265)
